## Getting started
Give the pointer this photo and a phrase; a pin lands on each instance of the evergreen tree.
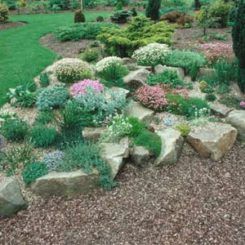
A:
(238, 36)
(153, 9)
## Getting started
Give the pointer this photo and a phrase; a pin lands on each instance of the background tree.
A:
(197, 4)
(153, 9)
(238, 36)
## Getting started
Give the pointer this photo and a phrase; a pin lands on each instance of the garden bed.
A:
(8, 25)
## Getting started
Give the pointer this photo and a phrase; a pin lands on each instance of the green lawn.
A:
(21, 55)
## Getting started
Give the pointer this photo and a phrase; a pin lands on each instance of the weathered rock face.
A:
(237, 119)
(196, 92)
(220, 109)
(161, 69)
(65, 183)
(172, 143)
(114, 154)
(135, 109)
(90, 133)
(140, 156)
(212, 140)
(120, 90)
(137, 78)
(206, 72)
(11, 199)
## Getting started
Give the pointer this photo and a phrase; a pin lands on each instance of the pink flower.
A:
(81, 87)
(152, 97)
(242, 104)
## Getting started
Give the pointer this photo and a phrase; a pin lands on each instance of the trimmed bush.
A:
(14, 129)
(52, 97)
(79, 16)
(90, 55)
(4, 13)
(33, 171)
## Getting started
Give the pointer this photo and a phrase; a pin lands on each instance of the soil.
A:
(11, 25)
(70, 49)
(196, 201)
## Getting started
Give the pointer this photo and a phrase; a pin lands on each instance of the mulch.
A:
(196, 201)
(8, 25)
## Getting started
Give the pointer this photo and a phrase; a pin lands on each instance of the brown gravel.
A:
(197, 201)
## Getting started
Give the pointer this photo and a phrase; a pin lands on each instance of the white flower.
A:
(152, 54)
(104, 63)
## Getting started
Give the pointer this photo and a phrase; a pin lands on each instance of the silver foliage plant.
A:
(53, 160)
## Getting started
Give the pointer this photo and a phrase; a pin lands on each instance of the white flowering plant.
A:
(119, 127)
(152, 54)
(70, 70)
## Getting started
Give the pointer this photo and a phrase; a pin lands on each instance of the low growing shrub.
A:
(53, 160)
(52, 97)
(210, 97)
(33, 171)
(14, 129)
(90, 55)
(44, 117)
(184, 129)
(42, 136)
(79, 16)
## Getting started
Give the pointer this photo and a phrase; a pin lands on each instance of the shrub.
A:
(102, 106)
(100, 19)
(121, 16)
(151, 55)
(111, 68)
(210, 97)
(238, 36)
(150, 141)
(44, 80)
(168, 77)
(119, 127)
(52, 97)
(81, 31)
(90, 55)
(14, 129)
(81, 87)
(152, 97)
(86, 156)
(184, 129)
(4, 13)
(42, 136)
(44, 117)
(53, 160)
(217, 50)
(33, 171)
(188, 107)
(137, 126)
(79, 16)
(140, 32)
(188, 60)
(71, 70)
(21, 97)
(153, 9)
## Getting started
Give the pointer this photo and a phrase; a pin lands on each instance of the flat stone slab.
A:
(237, 119)
(212, 140)
(91, 133)
(11, 199)
(220, 109)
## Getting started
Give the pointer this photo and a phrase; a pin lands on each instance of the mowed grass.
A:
(21, 55)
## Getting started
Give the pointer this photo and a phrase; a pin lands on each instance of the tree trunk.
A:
(197, 4)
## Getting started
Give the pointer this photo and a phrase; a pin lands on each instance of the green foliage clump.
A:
(153, 9)
(210, 97)
(238, 36)
(52, 97)
(140, 32)
(42, 136)
(79, 16)
(168, 77)
(44, 117)
(14, 129)
(190, 61)
(4, 13)
(121, 16)
(81, 31)
(90, 55)
(184, 129)
(44, 80)
(33, 171)
(188, 107)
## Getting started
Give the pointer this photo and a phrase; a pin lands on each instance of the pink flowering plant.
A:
(242, 104)
(81, 87)
(217, 50)
(152, 97)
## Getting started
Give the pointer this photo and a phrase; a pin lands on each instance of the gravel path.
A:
(196, 201)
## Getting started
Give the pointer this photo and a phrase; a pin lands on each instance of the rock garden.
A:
(130, 98)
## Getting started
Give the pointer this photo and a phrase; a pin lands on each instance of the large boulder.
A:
(140, 156)
(172, 143)
(237, 119)
(135, 109)
(137, 78)
(65, 183)
(114, 154)
(11, 199)
(212, 140)
(160, 69)
(90, 133)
